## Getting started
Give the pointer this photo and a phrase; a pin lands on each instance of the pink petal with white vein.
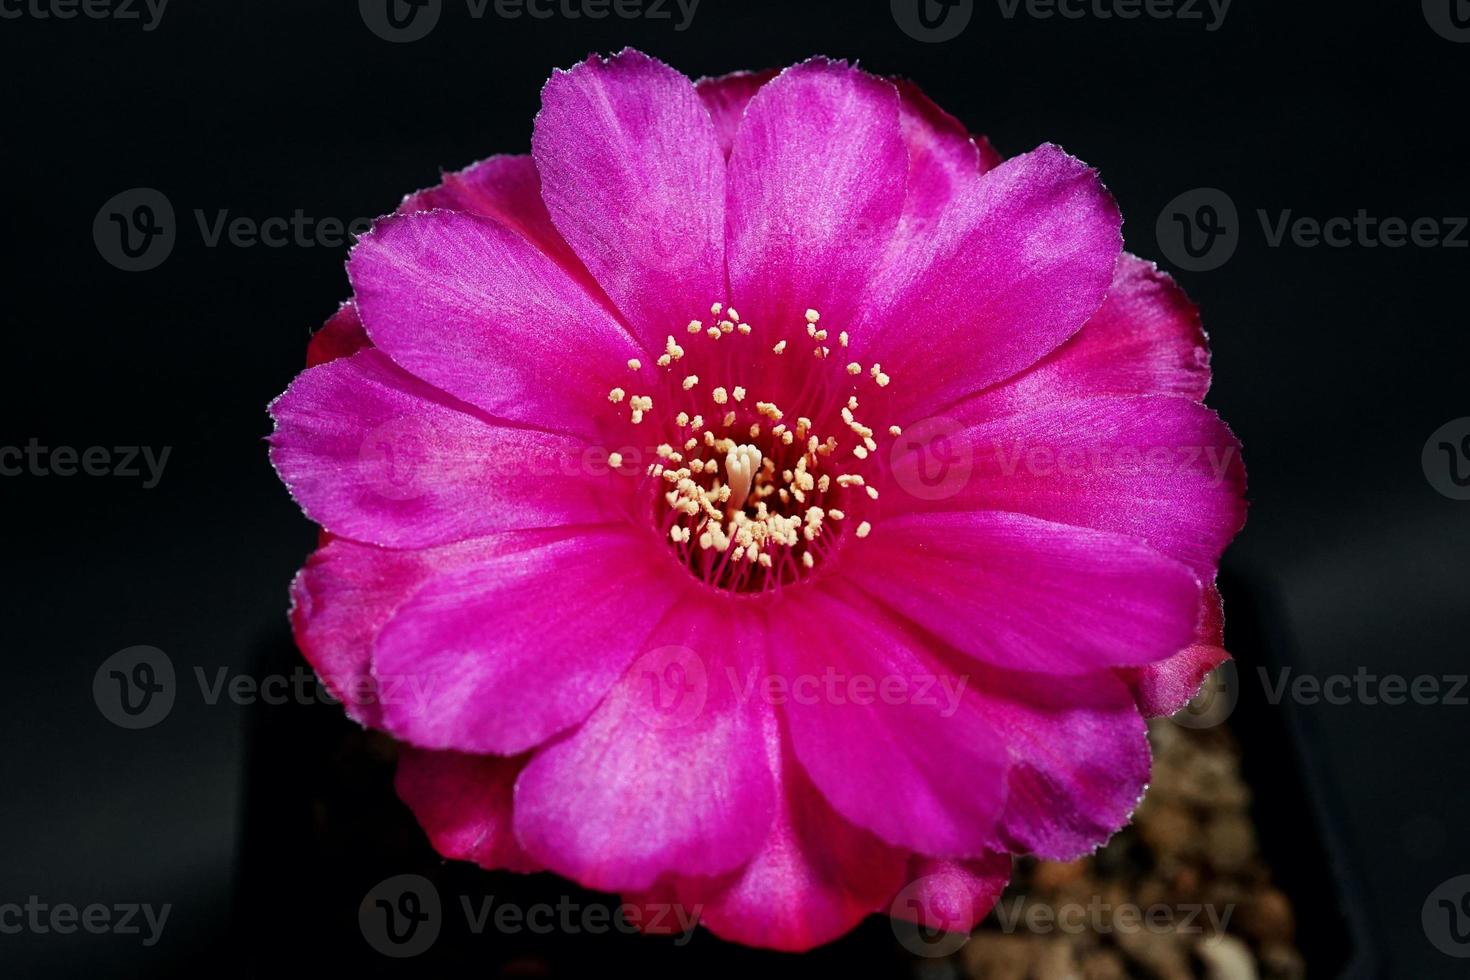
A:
(1055, 599)
(1016, 266)
(669, 773)
(815, 877)
(473, 308)
(1065, 759)
(1145, 340)
(372, 453)
(816, 187)
(548, 621)
(632, 174)
(348, 590)
(1159, 468)
(885, 730)
(507, 188)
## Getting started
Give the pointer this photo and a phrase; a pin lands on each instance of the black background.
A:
(1333, 365)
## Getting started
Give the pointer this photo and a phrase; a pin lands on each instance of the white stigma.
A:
(741, 465)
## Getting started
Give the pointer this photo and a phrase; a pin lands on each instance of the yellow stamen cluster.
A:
(754, 499)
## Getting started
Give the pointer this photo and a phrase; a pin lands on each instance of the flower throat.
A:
(750, 496)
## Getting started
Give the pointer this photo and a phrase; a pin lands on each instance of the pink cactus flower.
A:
(761, 497)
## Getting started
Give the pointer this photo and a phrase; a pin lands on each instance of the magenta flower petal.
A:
(1145, 340)
(1079, 753)
(952, 895)
(1017, 266)
(1166, 687)
(468, 305)
(726, 98)
(508, 189)
(341, 336)
(633, 176)
(347, 591)
(478, 638)
(814, 878)
(888, 760)
(1158, 468)
(816, 187)
(374, 454)
(669, 773)
(943, 156)
(944, 160)
(463, 802)
(1073, 756)
(1058, 599)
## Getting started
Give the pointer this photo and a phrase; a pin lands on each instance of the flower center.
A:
(760, 474)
